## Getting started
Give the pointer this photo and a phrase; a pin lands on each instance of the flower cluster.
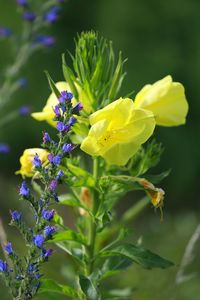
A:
(46, 164)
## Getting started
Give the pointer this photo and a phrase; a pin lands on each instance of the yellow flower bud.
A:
(117, 131)
(27, 168)
(47, 114)
(166, 99)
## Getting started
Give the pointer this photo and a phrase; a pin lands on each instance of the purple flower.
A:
(48, 214)
(5, 32)
(36, 161)
(46, 253)
(4, 148)
(67, 148)
(60, 174)
(8, 248)
(50, 157)
(22, 2)
(56, 110)
(65, 96)
(72, 120)
(46, 138)
(51, 16)
(77, 108)
(46, 40)
(24, 190)
(24, 110)
(3, 266)
(22, 82)
(16, 216)
(38, 240)
(56, 160)
(53, 185)
(29, 16)
(60, 126)
(49, 230)
(32, 268)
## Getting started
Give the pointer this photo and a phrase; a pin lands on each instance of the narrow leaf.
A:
(50, 286)
(52, 85)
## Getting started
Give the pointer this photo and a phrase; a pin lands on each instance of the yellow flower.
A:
(47, 114)
(27, 168)
(117, 131)
(166, 99)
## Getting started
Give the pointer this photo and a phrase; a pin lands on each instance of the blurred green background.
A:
(158, 38)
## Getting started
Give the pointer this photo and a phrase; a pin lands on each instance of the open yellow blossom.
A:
(166, 99)
(27, 168)
(47, 114)
(117, 131)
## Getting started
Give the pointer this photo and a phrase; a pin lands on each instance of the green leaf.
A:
(114, 265)
(76, 253)
(50, 286)
(69, 235)
(139, 255)
(88, 288)
(69, 77)
(58, 219)
(84, 176)
(52, 85)
(68, 199)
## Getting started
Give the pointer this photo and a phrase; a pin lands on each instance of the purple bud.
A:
(5, 32)
(24, 110)
(60, 126)
(16, 216)
(77, 108)
(46, 138)
(72, 120)
(38, 240)
(53, 185)
(46, 40)
(8, 248)
(49, 230)
(56, 160)
(51, 16)
(50, 157)
(22, 2)
(24, 190)
(3, 266)
(56, 110)
(67, 148)
(36, 161)
(46, 253)
(4, 148)
(60, 174)
(29, 16)
(48, 214)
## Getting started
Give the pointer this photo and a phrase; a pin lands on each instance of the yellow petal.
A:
(166, 99)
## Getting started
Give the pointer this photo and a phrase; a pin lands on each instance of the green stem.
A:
(92, 225)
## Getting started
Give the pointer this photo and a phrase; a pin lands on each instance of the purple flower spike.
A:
(38, 240)
(24, 190)
(36, 161)
(24, 110)
(16, 216)
(29, 16)
(60, 126)
(48, 214)
(5, 32)
(4, 148)
(8, 248)
(53, 185)
(52, 15)
(3, 266)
